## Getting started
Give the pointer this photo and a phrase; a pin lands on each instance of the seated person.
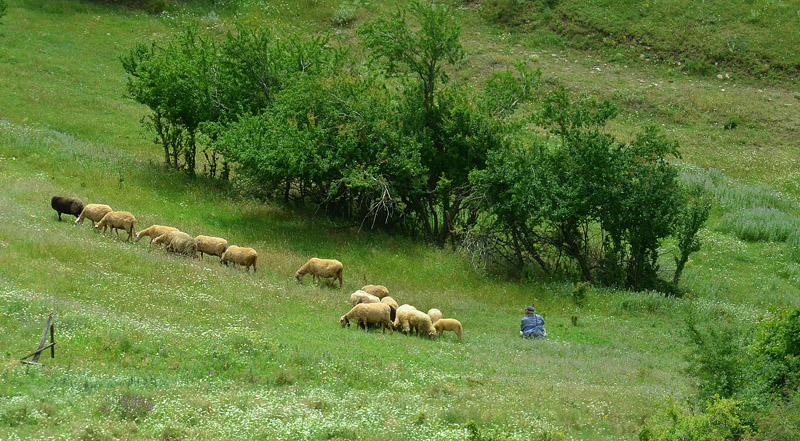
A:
(532, 324)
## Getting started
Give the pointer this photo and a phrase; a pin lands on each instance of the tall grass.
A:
(755, 224)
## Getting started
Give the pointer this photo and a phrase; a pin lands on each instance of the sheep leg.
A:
(59, 216)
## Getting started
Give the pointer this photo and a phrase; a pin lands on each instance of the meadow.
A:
(154, 346)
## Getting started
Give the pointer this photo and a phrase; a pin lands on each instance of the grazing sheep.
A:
(64, 204)
(118, 220)
(93, 212)
(213, 246)
(442, 325)
(169, 236)
(389, 301)
(401, 319)
(370, 313)
(154, 231)
(241, 256)
(421, 324)
(321, 268)
(362, 297)
(378, 291)
(182, 244)
(435, 314)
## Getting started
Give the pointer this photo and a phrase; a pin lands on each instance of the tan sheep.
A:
(169, 236)
(421, 324)
(241, 256)
(362, 297)
(401, 318)
(389, 301)
(177, 242)
(448, 324)
(154, 231)
(93, 212)
(321, 268)
(369, 313)
(118, 220)
(213, 246)
(183, 245)
(434, 314)
(378, 291)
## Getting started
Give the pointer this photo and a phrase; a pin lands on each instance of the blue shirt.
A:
(532, 323)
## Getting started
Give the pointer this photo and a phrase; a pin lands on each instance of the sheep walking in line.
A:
(362, 297)
(66, 205)
(378, 291)
(177, 242)
(421, 324)
(241, 256)
(434, 314)
(321, 268)
(169, 236)
(447, 324)
(93, 212)
(153, 232)
(370, 313)
(213, 246)
(118, 220)
(183, 245)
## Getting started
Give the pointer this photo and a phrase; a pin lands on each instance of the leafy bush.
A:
(344, 14)
(720, 419)
(776, 349)
(581, 193)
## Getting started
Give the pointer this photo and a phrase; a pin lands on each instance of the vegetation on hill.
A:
(152, 346)
(302, 120)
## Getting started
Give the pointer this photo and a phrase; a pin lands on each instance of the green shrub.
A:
(720, 419)
(344, 14)
(717, 357)
(760, 224)
(777, 350)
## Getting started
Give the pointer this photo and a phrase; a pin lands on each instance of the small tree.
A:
(179, 83)
(423, 53)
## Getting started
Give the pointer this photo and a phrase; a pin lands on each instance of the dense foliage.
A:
(748, 378)
(393, 143)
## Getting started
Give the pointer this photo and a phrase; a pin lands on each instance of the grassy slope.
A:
(224, 354)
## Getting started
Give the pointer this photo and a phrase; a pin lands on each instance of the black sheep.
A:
(63, 204)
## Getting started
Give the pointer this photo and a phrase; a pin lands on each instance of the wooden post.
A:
(44, 338)
(52, 340)
(38, 352)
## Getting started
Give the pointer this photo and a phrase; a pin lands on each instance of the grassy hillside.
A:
(152, 346)
(697, 37)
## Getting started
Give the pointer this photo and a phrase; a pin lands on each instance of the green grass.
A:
(221, 354)
(702, 37)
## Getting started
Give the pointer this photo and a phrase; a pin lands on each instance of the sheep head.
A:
(299, 276)
(344, 321)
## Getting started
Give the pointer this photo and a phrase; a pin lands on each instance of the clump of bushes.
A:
(748, 377)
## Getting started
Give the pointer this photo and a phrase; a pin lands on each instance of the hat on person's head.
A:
(529, 308)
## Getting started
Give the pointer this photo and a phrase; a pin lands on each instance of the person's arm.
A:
(522, 325)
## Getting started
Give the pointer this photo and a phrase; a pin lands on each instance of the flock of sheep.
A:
(371, 304)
